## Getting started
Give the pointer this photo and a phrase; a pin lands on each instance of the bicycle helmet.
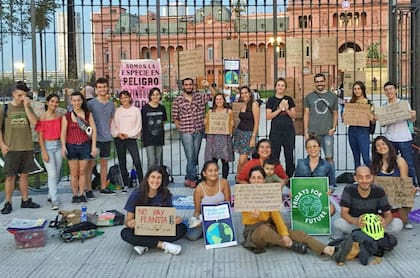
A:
(373, 227)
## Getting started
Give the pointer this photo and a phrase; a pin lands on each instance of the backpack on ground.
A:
(114, 175)
(167, 176)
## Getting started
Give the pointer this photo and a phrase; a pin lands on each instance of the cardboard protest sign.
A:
(310, 205)
(218, 228)
(231, 72)
(351, 61)
(138, 77)
(393, 113)
(398, 190)
(356, 114)
(155, 221)
(232, 48)
(264, 197)
(218, 124)
(190, 63)
(236, 108)
(324, 51)
(294, 52)
(257, 70)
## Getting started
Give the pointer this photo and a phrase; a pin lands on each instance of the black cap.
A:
(21, 85)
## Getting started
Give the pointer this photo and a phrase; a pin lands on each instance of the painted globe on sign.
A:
(310, 206)
(231, 77)
(219, 233)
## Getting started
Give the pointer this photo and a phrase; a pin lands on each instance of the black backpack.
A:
(114, 175)
(167, 176)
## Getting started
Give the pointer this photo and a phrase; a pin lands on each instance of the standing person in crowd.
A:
(263, 152)
(281, 111)
(385, 162)
(89, 92)
(103, 111)
(314, 166)
(219, 146)
(126, 127)
(227, 92)
(76, 145)
(152, 192)
(16, 145)
(211, 191)
(359, 137)
(246, 133)
(321, 117)
(49, 132)
(399, 133)
(188, 113)
(153, 115)
(361, 198)
(267, 228)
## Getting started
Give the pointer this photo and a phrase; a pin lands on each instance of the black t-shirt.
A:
(153, 120)
(282, 123)
(376, 201)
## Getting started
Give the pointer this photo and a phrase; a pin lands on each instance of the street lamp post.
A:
(88, 71)
(275, 41)
(19, 67)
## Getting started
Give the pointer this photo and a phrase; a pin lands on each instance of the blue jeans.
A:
(359, 143)
(192, 144)
(406, 151)
(53, 167)
(154, 156)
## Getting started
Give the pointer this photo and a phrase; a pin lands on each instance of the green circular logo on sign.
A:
(310, 206)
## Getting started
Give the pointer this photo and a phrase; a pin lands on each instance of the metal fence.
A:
(58, 44)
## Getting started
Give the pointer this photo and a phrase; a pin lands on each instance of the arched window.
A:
(210, 52)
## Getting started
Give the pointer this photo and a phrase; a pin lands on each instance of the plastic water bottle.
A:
(83, 216)
(133, 177)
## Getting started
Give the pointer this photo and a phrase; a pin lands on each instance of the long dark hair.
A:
(206, 165)
(84, 102)
(251, 97)
(377, 158)
(48, 98)
(143, 199)
(353, 96)
(225, 105)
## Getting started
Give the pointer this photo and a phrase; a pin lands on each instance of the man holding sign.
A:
(361, 198)
(399, 133)
(188, 113)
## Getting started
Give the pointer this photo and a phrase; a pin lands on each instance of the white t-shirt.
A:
(227, 93)
(398, 132)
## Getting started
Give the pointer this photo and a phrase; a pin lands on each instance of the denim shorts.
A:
(79, 151)
(104, 149)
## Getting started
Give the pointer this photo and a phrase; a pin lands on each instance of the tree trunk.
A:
(42, 55)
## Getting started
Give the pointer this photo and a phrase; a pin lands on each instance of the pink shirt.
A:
(126, 121)
(51, 129)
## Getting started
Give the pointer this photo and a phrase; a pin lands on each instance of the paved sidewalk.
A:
(109, 256)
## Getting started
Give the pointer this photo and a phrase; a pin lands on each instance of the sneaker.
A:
(299, 247)
(408, 226)
(82, 199)
(7, 208)
(107, 191)
(124, 190)
(417, 193)
(190, 183)
(54, 206)
(29, 204)
(89, 195)
(141, 249)
(171, 248)
(193, 222)
(75, 200)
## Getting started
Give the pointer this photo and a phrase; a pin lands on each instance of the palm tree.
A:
(44, 11)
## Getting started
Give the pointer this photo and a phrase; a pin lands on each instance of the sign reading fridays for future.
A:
(138, 77)
(310, 205)
(218, 226)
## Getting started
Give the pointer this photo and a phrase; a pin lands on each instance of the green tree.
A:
(373, 52)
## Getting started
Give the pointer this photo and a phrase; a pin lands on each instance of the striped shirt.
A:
(190, 114)
(74, 134)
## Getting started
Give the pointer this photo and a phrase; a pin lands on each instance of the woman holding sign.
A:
(152, 192)
(359, 138)
(385, 162)
(219, 146)
(267, 228)
(211, 191)
(247, 130)
(314, 166)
